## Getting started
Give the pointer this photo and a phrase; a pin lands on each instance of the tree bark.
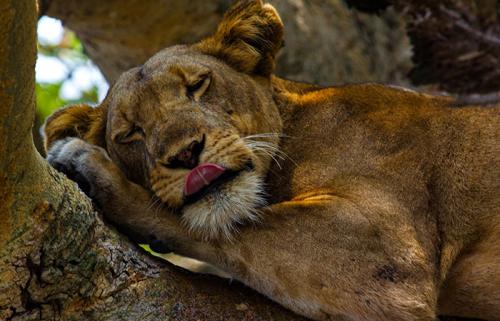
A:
(58, 261)
(325, 41)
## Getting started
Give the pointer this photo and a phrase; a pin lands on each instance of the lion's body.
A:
(435, 169)
(383, 204)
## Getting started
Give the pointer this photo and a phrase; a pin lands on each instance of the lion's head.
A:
(196, 124)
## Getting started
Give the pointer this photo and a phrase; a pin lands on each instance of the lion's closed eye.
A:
(135, 133)
(196, 89)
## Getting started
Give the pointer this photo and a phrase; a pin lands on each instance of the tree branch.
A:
(490, 99)
(68, 265)
(326, 42)
(456, 44)
(17, 107)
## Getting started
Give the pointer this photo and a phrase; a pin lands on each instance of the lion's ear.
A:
(80, 121)
(248, 38)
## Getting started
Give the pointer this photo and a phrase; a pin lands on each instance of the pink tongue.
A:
(201, 176)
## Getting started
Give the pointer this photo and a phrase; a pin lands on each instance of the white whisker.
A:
(267, 135)
(271, 155)
(268, 148)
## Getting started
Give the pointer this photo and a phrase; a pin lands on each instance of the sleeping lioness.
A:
(360, 202)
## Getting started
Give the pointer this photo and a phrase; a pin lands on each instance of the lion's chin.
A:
(218, 214)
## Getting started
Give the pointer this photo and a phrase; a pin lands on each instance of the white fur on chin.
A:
(217, 214)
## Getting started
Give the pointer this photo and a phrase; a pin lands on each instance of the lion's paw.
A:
(88, 165)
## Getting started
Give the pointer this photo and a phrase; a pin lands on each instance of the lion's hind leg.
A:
(472, 286)
(331, 259)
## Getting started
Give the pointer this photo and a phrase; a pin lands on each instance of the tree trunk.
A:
(58, 260)
(325, 41)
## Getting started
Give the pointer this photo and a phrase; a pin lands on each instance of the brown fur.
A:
(385, 204)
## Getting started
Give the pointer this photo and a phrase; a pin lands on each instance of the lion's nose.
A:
(187, 157)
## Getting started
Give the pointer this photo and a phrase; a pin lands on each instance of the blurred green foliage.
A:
(48, 98)
(69, 51)
(68, 46)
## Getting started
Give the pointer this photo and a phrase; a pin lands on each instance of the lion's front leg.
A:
(123, 203)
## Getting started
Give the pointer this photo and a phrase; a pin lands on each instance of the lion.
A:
(355, 202)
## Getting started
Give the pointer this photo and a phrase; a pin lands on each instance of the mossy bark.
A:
(65, 264)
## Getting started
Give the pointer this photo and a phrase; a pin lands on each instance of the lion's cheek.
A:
(168, 188)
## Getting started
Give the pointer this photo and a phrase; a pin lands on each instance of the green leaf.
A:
(48, 99)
